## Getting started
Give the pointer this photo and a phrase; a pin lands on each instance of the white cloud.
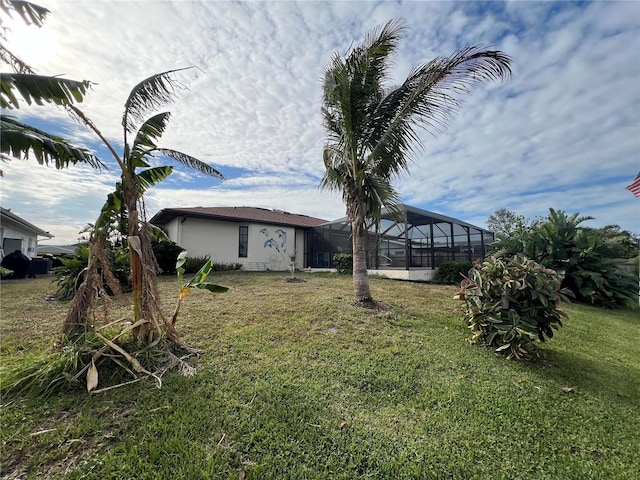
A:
(563, 132)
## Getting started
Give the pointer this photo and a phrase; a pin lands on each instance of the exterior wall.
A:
(28, 240)
(173, 230)
(269, 246)
(420, 275)
(299, 250)
(415, 275)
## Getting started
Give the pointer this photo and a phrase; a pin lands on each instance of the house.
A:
(257, 238)
(18, 234)
(410, 246)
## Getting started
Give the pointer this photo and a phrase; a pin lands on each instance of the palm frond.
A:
(152, 176)
(151, 93)
(110, 210)
(191, 162)
(18, 65)
(428, 97)
(157, 233)
(31, 13)
(20, 140)
(353, 87)
(146, 138)
(40, 89)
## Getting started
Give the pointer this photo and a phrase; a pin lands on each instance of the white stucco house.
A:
(257, 238)
(408, 248)
(18, 234)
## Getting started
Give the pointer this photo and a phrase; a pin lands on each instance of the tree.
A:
(583, 255)
(20, 140)
(505, 221)
(621, 243)
(372, 128)
(137, 176)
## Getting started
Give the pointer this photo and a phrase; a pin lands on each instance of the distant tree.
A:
(372, 128)
(620, 243)
(20, 140)
(505, 221)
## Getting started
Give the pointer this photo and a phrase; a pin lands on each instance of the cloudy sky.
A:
(563, 132)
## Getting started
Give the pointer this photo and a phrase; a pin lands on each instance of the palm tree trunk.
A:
(360, 276)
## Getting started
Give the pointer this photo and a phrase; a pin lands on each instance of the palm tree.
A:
(20, 140)
(127, 202)
(373, 128)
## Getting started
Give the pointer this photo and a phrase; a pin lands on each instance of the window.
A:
(243, 241)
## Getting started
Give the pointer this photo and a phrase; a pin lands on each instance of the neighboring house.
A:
(56, 250)
(18, 234)
(257, 238)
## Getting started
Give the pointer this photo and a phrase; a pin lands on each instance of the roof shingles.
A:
(236, 214)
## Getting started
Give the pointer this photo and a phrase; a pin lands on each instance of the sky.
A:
(563, 132)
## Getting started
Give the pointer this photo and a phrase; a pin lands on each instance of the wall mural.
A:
(278, 242)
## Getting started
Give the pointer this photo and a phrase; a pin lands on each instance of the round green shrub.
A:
(511, 303)
(343, 263)
(453, 271)
(166, 253)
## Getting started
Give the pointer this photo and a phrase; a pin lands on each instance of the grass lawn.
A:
(297, 383)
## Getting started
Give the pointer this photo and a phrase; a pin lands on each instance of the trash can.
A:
(38, 266)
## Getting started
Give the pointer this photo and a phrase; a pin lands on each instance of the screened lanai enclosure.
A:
(420, 241)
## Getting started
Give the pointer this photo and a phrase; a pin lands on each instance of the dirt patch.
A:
(293, 280)
(373, 305)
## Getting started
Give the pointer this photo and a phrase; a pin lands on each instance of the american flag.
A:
(634, 187)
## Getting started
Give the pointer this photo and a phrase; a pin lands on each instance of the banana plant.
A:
(198, 281)
(137, 176)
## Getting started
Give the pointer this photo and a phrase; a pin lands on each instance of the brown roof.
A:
(238, 214)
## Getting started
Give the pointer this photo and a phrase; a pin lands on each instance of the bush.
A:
(223, 267)
(582, 254)
(343, 262)
(166, 253)
(70, 275)
(193, 264)
(452, 272)
(511, 303)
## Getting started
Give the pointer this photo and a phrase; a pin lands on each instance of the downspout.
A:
(179, 231)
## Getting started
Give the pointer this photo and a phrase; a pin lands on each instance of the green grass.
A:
(298, 383)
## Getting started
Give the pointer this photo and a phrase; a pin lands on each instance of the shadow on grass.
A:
(599, 376)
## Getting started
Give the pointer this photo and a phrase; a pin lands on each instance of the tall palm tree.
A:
(372, 128)
(20, 140)
(136, 177)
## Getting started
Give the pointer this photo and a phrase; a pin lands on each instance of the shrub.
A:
(343, 262)
(511, 303)
(194, 264)
(223, 267)
(166, 253)
(71, 274)
(582, 254)
(452, 272)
